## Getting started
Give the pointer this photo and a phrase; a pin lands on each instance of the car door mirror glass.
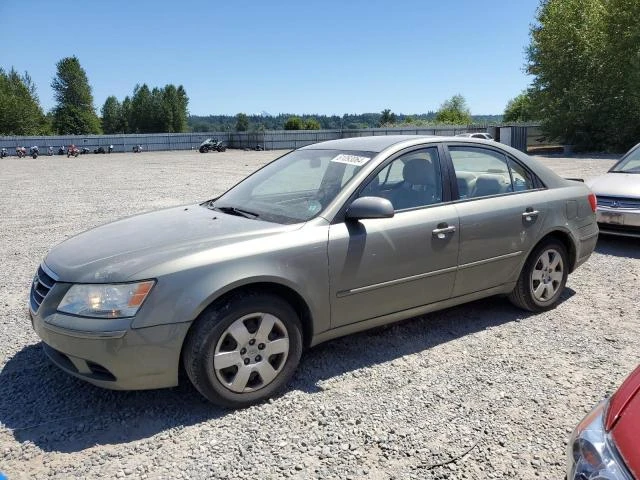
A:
(369, 207)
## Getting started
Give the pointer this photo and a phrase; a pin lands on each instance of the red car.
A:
(606, 443)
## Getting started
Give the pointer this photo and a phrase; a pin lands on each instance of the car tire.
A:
(543, 277)
(243, 350)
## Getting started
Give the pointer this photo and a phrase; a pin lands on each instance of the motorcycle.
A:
(61, 151)
(21, 152)
(84, 150)
(211, 144)
(137, 149)
(3, 153)
(73, 150)
(50, 151)
(110, 148)
(100, 150)
(34, 151)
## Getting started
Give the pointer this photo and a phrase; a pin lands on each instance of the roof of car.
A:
(371, 144)
(378, 143)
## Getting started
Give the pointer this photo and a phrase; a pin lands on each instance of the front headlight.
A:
(591, 453)
(104, 300)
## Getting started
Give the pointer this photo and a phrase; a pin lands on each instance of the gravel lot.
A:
(478, 391)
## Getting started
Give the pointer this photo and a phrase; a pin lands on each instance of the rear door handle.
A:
(442, 230)
(530, 214)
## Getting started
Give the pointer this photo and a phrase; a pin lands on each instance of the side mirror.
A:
(369, 207)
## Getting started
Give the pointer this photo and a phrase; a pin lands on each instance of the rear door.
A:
(501, 206)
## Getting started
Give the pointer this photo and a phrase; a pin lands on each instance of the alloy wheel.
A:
(251, 352)
(547, 274)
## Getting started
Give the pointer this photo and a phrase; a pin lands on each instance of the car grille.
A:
(618, 202)
(42, 284)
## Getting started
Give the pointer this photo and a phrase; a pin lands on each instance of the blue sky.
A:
(280, 56)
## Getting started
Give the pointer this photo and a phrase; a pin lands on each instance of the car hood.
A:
(115, 252)
(620, 400)
(616, 184)
(623, 420)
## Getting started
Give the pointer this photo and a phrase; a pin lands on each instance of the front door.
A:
(382, 266)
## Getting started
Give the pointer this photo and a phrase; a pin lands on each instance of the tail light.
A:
(593, 201)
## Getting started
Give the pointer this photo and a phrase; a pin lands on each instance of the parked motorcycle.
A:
(50, 151)
(100, 150)
(137, 149)
(3, 153)
(210, 145)
(34, 151)
(73, 150)
(21, 152)
(61, 150)
(110, 148)
(84, 150)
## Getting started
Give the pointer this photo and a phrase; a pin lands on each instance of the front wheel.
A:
(244, 350)
(543, 277)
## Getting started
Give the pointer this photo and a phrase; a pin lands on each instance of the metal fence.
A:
(268, 140)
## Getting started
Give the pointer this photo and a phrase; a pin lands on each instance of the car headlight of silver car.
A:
(591, 454)
(105, 300)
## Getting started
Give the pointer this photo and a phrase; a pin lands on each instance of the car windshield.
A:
(294, 188)
(631, 164)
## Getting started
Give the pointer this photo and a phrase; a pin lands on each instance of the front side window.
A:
(482, 172)
(294, 188)
(410, 181)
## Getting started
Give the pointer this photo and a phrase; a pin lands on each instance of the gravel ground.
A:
(477, 391)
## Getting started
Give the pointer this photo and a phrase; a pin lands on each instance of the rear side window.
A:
(482, 172)
(522, 179)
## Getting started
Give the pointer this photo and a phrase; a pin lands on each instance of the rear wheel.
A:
(244, 350)
(543, 277)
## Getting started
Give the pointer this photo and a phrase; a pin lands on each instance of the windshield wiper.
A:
(237, 211)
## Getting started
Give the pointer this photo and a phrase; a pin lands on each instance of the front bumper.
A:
(109, 353)
(619, 221)
(591, 453)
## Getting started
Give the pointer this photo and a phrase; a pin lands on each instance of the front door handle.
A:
(530, 214)
(442, 230)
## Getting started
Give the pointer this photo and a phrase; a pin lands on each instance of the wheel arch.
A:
(566, 239)
(285, 292)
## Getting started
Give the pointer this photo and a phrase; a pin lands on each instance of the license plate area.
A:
(614, 218)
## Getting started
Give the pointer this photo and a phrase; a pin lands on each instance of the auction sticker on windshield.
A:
(356, 160)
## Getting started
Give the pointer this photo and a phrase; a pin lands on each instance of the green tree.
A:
(387, 117)
(141, 110)
(180, 109)
(311, 124)
(293, 123)
(20, 112)
(112, 121)
(126, 115)
(585, 59)
(520, 109)
(242, 122)
(454, 111)
(74, 113)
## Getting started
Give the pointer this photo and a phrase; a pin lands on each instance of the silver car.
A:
(618, 193)
(327, 240)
